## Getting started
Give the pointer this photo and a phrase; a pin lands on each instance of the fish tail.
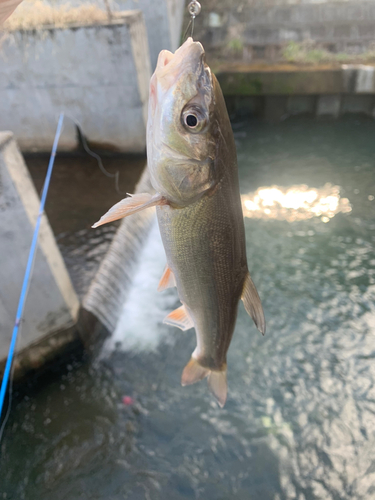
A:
(217, 380)
(193, 372)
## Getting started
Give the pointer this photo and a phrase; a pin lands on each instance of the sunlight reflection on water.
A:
(296, 203)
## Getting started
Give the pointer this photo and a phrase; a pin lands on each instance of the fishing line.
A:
(9, 367)
(194, 9)
(116, 175)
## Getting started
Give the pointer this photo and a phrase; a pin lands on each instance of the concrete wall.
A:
(261, 28)
(163, 20)
(98, 75)
(52, 304)
(276, 92)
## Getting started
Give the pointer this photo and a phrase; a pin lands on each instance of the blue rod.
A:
(29, 266)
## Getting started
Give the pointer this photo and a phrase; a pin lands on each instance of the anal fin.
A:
(167, 280)
(253, 304)
(180, 318)
(131, 205)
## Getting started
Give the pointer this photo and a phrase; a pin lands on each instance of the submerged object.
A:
(193, 169)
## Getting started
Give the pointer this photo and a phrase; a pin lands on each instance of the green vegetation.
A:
(308, 53)
(235, 47)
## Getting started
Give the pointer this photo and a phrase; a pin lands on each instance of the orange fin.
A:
(180, 318)
(217, 382)
(193, 372)
(167, 280)
(131, 205)
(253, 305)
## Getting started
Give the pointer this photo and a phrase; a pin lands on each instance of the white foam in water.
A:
(365, 79)
(139, 326)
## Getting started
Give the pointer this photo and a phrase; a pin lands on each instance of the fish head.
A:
(181, 145)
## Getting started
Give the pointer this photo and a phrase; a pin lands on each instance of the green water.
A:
(299, 422)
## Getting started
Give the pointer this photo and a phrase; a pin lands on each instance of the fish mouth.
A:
(187, 59)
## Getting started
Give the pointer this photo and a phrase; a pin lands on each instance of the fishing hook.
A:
(194, 9)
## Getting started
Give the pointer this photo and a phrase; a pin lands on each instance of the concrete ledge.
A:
(284, 79)
(98, 75)
(39, 356)
(51, 307)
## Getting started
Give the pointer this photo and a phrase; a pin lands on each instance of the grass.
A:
(235, 46)
(308, 53)
(34, 14)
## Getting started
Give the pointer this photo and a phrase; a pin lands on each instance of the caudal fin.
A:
(193, 372)
(217, 380)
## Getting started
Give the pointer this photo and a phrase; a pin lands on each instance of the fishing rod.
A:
(27, 276)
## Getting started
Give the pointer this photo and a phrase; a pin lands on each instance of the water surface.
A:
(299, 422)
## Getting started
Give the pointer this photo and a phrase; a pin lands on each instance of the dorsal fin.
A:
(180, 318)
(252, 304)
(167, 280)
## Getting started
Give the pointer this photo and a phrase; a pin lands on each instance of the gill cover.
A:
(180, 146)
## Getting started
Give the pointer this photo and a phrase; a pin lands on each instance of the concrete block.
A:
(328, 105)
(358, 78)
(245, 106)
(99, 75)
(342, 31)
(306, 14)
(52, 304)
(287, 35)
(366, 30)
(163, 20)
(318, 32)
(282, 15)
(301, 104)
(275, 108)
(357, 104)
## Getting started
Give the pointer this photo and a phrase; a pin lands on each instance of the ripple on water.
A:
(299, 421)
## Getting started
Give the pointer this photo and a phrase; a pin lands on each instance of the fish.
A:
(192, 161)
(6, 8)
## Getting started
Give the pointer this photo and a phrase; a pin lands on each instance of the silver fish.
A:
(193, 168)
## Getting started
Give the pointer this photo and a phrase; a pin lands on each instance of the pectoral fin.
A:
(131, 205)
(180, 318)
(167, 280)
(253, 305)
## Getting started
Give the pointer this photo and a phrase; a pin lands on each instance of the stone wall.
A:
(257, 30)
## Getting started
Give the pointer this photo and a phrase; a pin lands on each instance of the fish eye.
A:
(191, 121)
(194, 119)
